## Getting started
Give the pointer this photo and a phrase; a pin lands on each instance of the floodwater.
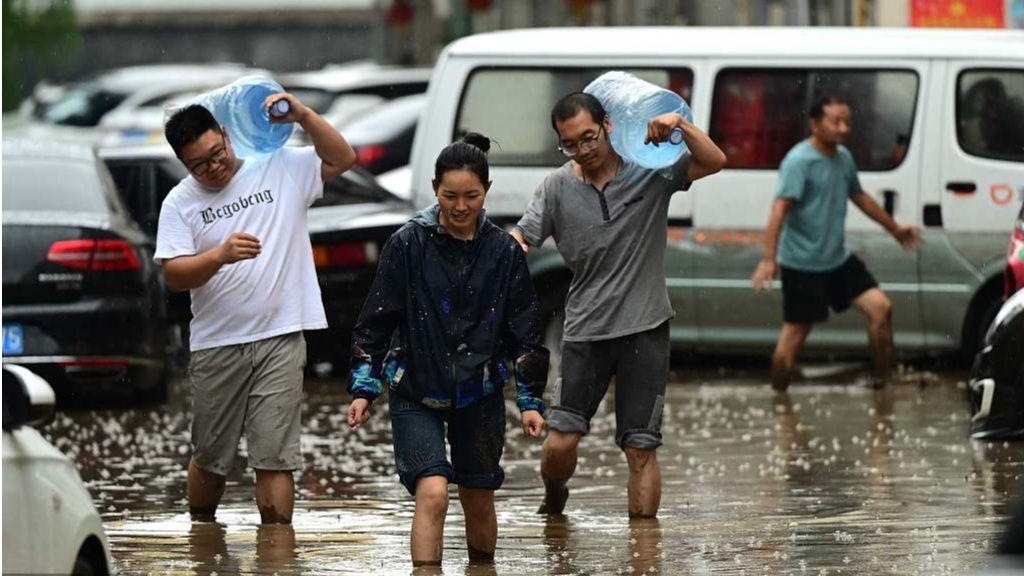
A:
(830, 478)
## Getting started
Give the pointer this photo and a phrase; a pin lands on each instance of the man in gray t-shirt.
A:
(609, 219)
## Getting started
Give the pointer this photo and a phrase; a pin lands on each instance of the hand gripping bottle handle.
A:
(240, 107)
(631, 103)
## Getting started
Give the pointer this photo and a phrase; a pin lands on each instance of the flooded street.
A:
(831, 478)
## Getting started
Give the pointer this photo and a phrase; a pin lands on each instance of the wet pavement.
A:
(831, 478)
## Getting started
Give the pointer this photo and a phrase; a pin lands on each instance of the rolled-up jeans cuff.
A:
(567, 421)
(641, 439)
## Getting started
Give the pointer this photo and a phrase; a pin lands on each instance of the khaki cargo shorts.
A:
(255, 388)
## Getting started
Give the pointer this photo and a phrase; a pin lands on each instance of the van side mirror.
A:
(28, 399)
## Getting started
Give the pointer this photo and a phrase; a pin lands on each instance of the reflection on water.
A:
(827, 478)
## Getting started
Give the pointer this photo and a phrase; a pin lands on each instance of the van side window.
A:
(990, 113)
(758, 114)
(513, 106)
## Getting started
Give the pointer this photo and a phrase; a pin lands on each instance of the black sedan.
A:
(347, 240)
(82, 302)
(382, 137)
(347, 226)
(997, 378)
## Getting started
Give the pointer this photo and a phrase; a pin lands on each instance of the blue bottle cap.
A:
(280, 108)
(676, 136)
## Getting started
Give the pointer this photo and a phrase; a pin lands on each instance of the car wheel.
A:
(84, 567)
(980, 315)
(985, 318)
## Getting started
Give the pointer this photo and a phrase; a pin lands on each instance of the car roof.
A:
(385, 120)
(115, 152)
(351, 78)
(605, 43)
(134, 78)
(32, 149)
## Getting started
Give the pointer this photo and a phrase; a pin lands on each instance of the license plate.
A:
(14, 342)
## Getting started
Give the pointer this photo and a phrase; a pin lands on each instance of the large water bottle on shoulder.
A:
(240, 107)
(631, 103)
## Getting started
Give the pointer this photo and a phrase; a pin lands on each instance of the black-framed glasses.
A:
(585, 145)
(218, 157)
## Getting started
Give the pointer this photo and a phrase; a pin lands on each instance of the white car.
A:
(125, 105)
(339, 93)
(50, 523)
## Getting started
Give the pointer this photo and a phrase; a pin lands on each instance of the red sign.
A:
(958, 13)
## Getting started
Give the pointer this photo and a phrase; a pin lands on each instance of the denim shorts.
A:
(476, 434)
(638, 362)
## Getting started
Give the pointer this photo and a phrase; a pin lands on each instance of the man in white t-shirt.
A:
(234, 233)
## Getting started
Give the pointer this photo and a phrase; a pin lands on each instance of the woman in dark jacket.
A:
(452, 305)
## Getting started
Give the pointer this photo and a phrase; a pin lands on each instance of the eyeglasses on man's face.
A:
(219, 157)
(586, 144)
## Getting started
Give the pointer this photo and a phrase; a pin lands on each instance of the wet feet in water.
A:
(203, 513)
(554, 500)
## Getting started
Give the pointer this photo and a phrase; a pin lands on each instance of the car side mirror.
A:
(28, 399)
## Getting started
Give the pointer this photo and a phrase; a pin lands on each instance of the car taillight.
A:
(344, 254)
(96, 255)
(367, 156)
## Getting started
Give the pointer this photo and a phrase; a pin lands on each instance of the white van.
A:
(938, 137)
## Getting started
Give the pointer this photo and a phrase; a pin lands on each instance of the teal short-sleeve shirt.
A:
(813, 238)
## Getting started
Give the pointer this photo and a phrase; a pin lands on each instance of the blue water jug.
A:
(240, 107)
(631, 103)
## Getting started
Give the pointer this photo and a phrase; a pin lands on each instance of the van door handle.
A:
(889, 201)
(961, 187)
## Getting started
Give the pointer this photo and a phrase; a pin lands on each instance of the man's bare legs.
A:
(877, 307)
(791, 340)
(481, 524)
(275, 496)
(205, 490)
(557, 465)
(427, 539)
(644, 482)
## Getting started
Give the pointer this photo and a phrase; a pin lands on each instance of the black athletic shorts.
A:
(807, 296)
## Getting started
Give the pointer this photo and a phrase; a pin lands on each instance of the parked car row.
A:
(83, 301)
(129, 105)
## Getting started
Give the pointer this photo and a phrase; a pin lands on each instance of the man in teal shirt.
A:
(816, 178)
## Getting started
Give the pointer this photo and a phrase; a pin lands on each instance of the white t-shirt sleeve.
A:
(173, 236)
(303, 165)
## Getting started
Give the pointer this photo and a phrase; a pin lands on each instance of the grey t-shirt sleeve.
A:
(681, 172)
(535, 225)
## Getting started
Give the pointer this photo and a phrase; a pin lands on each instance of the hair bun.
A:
(479, 140)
